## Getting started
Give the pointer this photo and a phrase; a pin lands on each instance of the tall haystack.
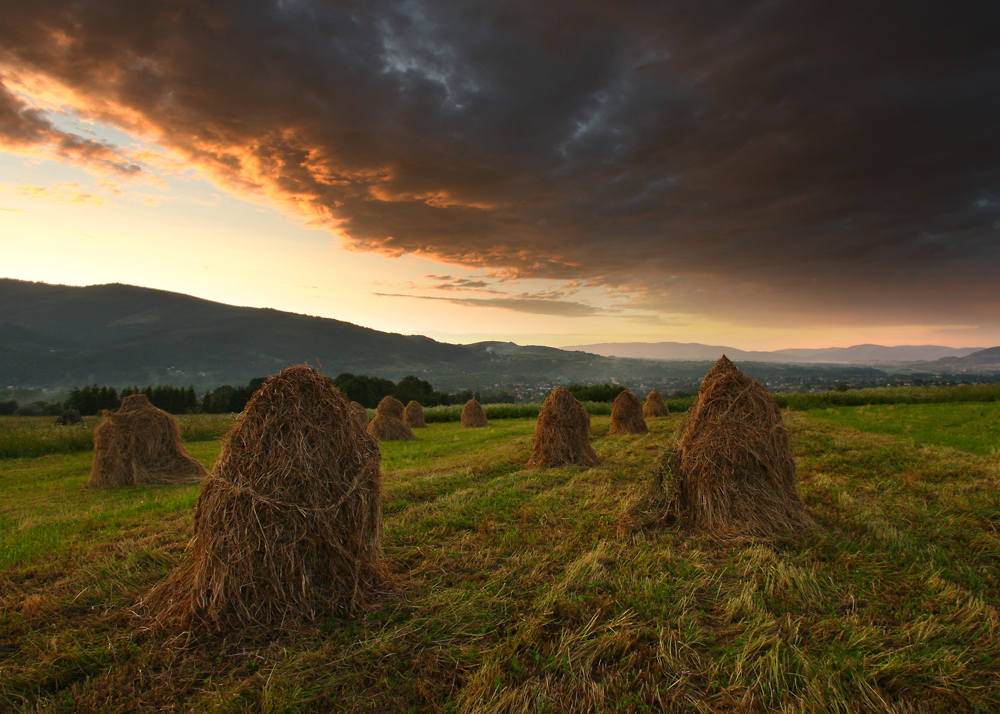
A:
(723, 366)
(140, 444)
(562, 434)
(626, 415)
(474, 415)
(413, 415)
(391, 406)
(736, 471)
(361, 413)
(288, 526)
(655, 406)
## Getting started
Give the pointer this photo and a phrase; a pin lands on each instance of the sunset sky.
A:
(756, 174)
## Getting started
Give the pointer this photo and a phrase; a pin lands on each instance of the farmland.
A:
(521, 589)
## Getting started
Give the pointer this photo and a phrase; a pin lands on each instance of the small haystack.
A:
(562, 434)
(626, 415)
(361, 413)
(140, 444)
(655, 406)
(70, 417)
(736, 474)
(413, 416)
(390, 406)
(474, 415)
(288, 526)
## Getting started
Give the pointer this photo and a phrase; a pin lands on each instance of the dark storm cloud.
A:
(731, 158)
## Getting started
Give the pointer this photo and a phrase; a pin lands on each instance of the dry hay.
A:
(70, 417)
(387, 427)
(288, 526)
(736, 474)
(626, 415)
(413, 416)
(391, 406)
(359, 411)
(140, 444)
(562, 434)
(655, 406)
(474, 415)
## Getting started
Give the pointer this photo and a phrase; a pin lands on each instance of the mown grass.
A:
(524, 590)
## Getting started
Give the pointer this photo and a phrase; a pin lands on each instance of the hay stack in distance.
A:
(413, 415)
(361, 413)
(736, 472)
(562, 433)
(655, 406)
(140, 444)
(70, 417)
(388, 422)
(474, 415)
(391, 406)
(626, 415)
(288, 526)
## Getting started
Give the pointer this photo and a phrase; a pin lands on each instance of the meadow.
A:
(534, 590)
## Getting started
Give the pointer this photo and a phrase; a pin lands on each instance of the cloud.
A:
(66, 192)
(767, 161)
(532, 305)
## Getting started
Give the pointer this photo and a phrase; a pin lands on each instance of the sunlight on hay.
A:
(140, 444)
(288, 526)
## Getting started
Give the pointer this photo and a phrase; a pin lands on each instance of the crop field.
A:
(538, 590)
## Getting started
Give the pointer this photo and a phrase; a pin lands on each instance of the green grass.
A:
(527, 590)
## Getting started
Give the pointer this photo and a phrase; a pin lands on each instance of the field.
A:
(522, 590)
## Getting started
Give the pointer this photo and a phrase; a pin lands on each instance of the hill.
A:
(858, 354)
(978, 362)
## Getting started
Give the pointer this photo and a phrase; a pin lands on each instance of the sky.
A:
(758, 174)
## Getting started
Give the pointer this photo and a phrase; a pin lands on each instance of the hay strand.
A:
(737, 474)
(655, 406)
(562, 433)
(288, 526)
(473, 414)
(140, 444)
(626, 415)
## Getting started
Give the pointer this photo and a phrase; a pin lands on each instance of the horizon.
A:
(762, 176)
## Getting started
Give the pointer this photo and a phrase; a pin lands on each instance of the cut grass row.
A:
(525, 590)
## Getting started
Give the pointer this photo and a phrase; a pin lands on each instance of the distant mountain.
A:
(858, 354)
(978, 362)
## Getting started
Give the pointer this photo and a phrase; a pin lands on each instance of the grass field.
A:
(530, 591)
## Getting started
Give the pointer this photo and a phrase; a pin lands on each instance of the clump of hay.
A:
(70, 417)
(360, 413)
(736, 474)
(413, 416)
(655, 406)
(391, 406)
(474, 415)
(562, 434)
(288, 526)
(140, 444)
(388, 422)
(723, 366)
(626, 415)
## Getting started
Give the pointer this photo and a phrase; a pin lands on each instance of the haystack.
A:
(474, 415)
(70, 417)
(562, 434)
(655, 406)
(391, 406)
(413, 416)
(288, 526)
(736, 472)
(140, 444)
(626, 415)
(361, 413)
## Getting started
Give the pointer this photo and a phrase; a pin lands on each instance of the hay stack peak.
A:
(140, 444)
(390, 406)
(562, 433)
(736, 471)
(288, 526)
(626, 415)
(413, 416)
(655, 406)
(473, 414)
